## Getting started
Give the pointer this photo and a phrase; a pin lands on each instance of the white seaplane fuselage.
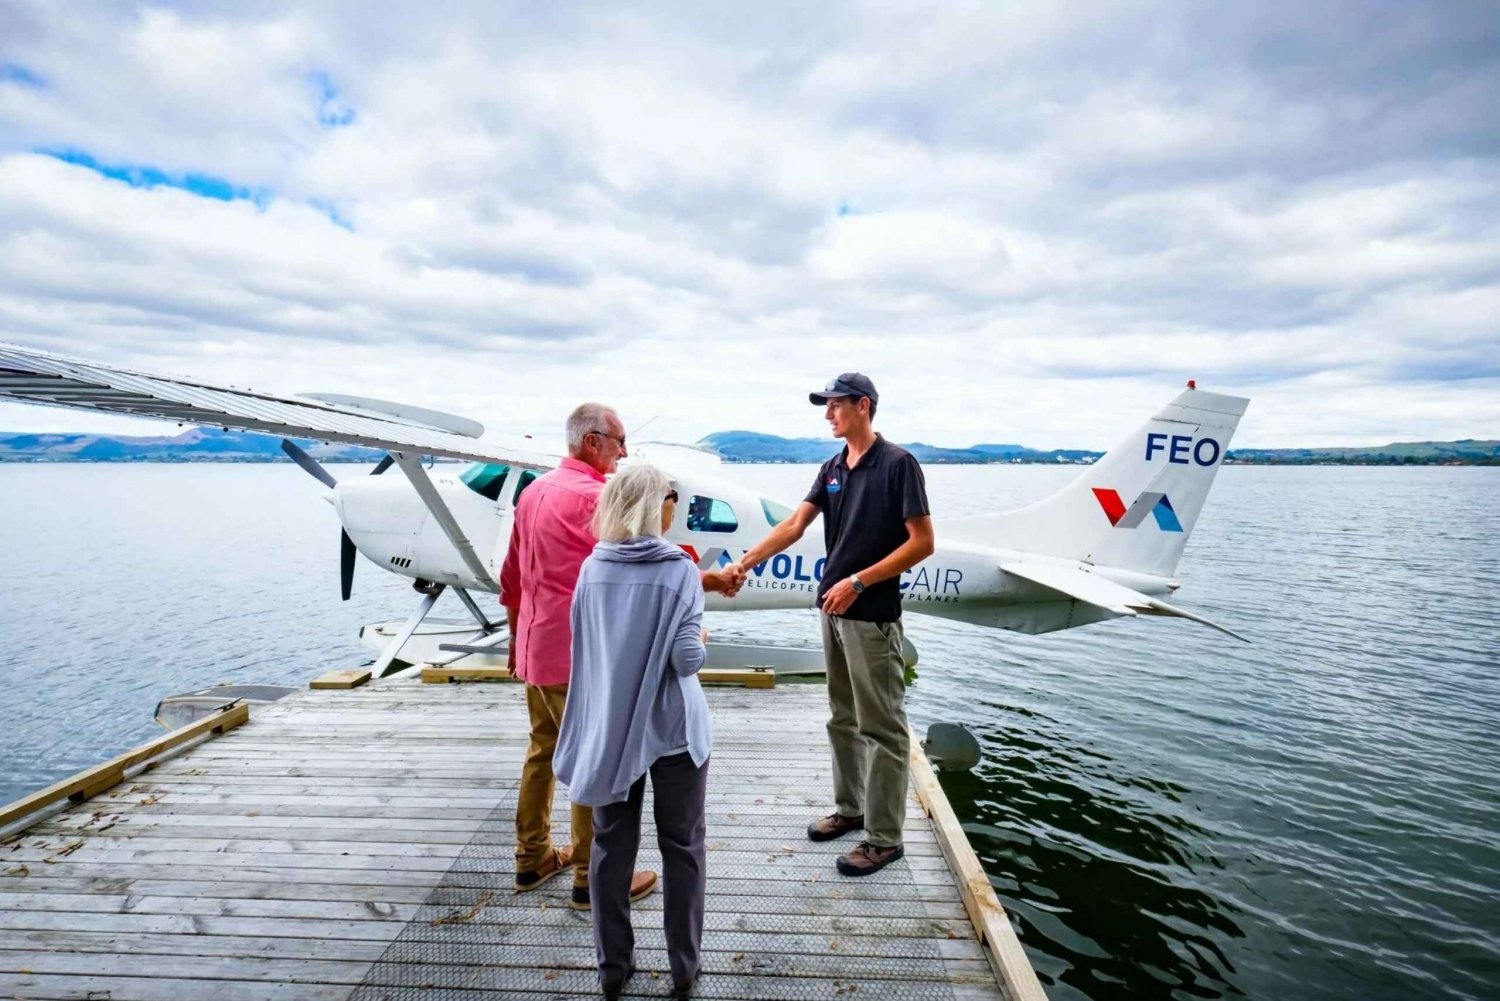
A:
(1107, 545)
(391, 526)
(1104, 546)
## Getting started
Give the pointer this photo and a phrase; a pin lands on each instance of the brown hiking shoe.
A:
(868, 858)
(641, 885)
(561, 859)
(835, 825)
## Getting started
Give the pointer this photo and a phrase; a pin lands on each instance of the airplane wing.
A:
(39, 377)
(1090, 588)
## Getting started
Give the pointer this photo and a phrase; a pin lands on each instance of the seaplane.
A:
(1105, 546)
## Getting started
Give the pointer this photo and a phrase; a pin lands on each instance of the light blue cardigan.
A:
(634, 694)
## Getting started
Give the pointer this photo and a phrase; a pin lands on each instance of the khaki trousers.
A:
(867, 728)
(534, 798)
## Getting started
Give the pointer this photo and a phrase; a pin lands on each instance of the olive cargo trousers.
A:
(867, 729)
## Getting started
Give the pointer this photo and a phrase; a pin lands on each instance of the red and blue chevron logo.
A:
(1148, 503)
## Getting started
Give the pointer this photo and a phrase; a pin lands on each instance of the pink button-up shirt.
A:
(551, 537)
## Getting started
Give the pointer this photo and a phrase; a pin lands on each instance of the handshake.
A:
(726, 581)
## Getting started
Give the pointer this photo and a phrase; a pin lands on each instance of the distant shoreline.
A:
(216, 445)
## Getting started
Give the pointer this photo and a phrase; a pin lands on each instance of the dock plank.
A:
(358, 845)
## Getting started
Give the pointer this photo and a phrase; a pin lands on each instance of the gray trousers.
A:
(679, 790)
(867, 728)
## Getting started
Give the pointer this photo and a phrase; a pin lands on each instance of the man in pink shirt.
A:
(551, 537)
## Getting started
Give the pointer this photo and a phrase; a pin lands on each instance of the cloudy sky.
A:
(1027, 222)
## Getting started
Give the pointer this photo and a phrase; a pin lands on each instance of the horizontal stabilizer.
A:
(1092, 589)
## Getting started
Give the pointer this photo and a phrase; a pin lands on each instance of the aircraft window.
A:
(485, 479)
(707, 514)
(775, 513)
(527, 475)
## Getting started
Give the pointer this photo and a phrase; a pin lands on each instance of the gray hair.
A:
(631, 503)
(586, 417)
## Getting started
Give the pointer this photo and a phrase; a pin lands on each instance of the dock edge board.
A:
(92, 781)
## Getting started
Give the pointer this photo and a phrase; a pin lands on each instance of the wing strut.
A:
(474, 610)
(411, 465)
(429, 598)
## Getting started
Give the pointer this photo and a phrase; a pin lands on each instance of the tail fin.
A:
(1136, 506)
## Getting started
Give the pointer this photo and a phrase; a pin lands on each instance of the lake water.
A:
(1164, 811)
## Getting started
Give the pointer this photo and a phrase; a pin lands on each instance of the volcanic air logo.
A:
(1122, 517)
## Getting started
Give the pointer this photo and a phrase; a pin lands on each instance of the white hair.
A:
(631, 504)
(587, 417)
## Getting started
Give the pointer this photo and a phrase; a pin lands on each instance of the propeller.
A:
(313, 466)
(316, 470)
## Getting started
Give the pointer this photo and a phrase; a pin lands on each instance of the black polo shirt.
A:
(864, 521)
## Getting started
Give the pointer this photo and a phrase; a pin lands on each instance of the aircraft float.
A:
(1105, 546)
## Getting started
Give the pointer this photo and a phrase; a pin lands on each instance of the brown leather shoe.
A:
(641, 885)
(835, 825)
(561, 859)
(868, 858)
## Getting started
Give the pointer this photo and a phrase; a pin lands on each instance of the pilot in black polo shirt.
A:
(864, 521)
(875, 527)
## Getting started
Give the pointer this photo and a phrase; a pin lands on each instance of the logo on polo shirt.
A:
(833, 485)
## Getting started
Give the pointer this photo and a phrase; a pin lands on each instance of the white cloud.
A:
(1026, 225)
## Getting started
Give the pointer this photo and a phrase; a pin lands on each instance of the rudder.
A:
(1135, 508)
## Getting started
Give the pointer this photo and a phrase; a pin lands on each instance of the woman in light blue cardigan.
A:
(635, 706)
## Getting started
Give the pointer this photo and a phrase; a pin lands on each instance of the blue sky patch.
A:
(141, 176)
(333, 112)
(15, 73)
(332, 212)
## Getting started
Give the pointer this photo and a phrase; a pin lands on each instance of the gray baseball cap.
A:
(849, 384)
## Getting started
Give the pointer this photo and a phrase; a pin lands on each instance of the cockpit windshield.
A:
(775, 513)
(485, 479)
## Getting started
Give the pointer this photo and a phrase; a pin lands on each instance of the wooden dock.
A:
(358, 845)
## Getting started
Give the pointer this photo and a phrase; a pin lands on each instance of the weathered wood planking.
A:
(357, 845)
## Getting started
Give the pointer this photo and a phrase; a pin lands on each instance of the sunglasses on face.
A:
(671, 496)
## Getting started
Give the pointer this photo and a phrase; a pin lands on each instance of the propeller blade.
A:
(382, 465)
(307, 462)
(346, 564)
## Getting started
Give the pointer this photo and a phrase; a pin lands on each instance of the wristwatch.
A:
(857, 584)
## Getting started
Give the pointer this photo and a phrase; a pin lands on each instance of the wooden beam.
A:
(349, 677)
(92, 781)
(989, 919)
(748, 677)
(441, 674)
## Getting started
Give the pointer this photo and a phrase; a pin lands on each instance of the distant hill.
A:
(751, 446)
(194, 445)
(1465, 452)
(215, 445)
